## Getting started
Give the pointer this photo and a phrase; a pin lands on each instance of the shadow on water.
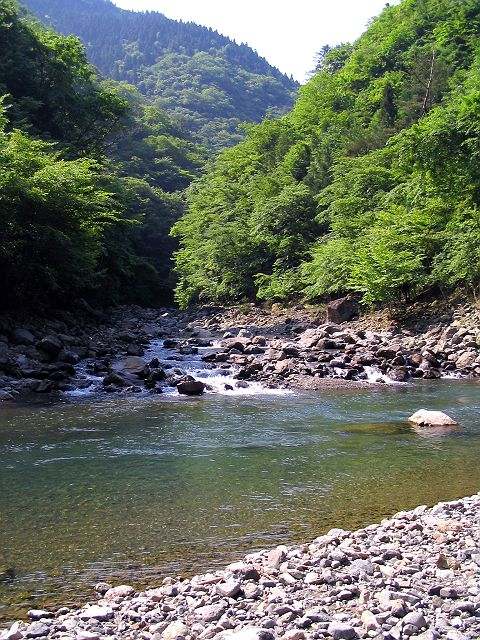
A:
(128, 490)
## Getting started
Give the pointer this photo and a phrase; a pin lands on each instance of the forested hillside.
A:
(370, 185)
(91, 178)
(206, 81)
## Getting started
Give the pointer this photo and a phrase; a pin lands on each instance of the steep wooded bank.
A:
(207, 82)
(370, 184)
(91, 178)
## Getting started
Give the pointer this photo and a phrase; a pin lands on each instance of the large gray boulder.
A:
(50, 345)
(23, 336)
(342, 310)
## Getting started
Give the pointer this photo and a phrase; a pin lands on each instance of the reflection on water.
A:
(130, 489)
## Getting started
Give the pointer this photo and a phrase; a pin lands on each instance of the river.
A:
(131, 489)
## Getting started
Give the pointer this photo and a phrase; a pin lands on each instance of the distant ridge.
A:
(204, 79)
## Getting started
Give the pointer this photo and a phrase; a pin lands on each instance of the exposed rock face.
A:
(432, 419)
(414, 576)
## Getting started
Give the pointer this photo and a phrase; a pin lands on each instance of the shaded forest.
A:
(91, 177)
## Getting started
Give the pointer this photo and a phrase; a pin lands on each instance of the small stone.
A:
(175, 631)
(312, 577)
(415, 619)
(102, 587)
(23, 336)
(465, 606)
(249, 633)
(341, 631)
(276, 557)
(442, 562)
(369, 621)
(251, 591)
(120, 592)
(83, 634)
(294, 634)
(229, 589)
(38, 614)
(210, 612)
(448, 592)
(96, 612)
(37, 630)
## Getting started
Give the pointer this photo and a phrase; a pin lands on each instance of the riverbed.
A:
(130, 489)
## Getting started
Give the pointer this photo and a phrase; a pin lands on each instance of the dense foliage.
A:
(370, 185)
(91, 178)
(206, 81)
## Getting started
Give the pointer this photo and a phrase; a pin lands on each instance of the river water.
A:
(131, 489)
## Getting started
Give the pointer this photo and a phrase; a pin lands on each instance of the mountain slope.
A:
(91, 178)
(207, 81)
(370, 185)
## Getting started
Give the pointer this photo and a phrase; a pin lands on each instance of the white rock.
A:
(14, 633)
(248, 633)
(229, 589)
(117, 593)
(369, 621)
(97, 613)
(276, 557)
(83, 634)
(432, 418)
(210, 612)
(175, 631)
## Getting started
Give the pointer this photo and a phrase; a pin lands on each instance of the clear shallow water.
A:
(131, 489)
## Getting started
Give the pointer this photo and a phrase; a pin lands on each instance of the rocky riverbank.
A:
(277, 347)
(414, 576)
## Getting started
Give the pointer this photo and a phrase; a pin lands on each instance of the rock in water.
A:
(133, 365)
(191, 388)
(7, 574)
(432, 419)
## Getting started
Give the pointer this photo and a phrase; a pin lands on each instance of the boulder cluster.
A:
(297, 349)
(415, 576)
(346, 352)
(41, 356)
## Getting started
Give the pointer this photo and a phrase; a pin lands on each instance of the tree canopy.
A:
(369, 185)
(91, 177)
